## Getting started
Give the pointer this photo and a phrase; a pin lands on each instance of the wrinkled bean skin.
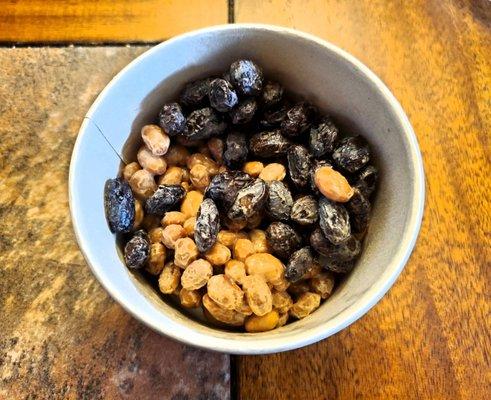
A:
(346, 251)
(272, 94)
(250, 200)
(273, 117)
(305, 304)
(280, 201)
(352, 154)
(224, 187)
(137, 250)
(171, 119)
(246, 77)
(195, 93)
(244, 112)
(236, 150)
(322, 138)
(299, 165)
(283, 240)
(165, 198)
(299, 264)
(203, 124)
(258, 294)
(222, 95)
(220, 314)
(334, 221)
(269, 144)
(207, 226)
(298, 119)
(358, 204)
(359, 223)
(367, 180)
(319, 242)
(305, 210)
(119, 205)
(340, 267)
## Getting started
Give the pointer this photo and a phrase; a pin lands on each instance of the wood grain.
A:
(105, 20)
(61, 335)
(429, 338)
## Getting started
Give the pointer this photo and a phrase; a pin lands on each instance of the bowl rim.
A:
(347, 316)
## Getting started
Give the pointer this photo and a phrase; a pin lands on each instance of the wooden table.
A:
(429, 338)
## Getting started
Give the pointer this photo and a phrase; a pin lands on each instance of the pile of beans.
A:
(243, 202)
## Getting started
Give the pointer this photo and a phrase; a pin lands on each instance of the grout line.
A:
(231, 11)
(234, 377)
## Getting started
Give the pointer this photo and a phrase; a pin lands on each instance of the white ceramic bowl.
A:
(326, 75)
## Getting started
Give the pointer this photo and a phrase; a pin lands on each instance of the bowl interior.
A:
(321, 73)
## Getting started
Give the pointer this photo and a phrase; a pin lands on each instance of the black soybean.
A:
(299, 264)
(244, 112)
(224, 187)
(305, 210)
(334, 221)
(272, 118)
(164, 199)
(299, 165)
(346, 251)
(351, 154)
(298, 119)
(269, 144)
(272, 94)
(359, 223)
(249, 200)
(119, 205)
(322, 138)
(367, 180)
(246, 77)
(236, 150)
(195, 93)
(358, 204)
(280, 201)
(203, 124)
(207, 225)
(171, 119)
(222, 95)
(282, 239)
(137, 250)
(339, 267)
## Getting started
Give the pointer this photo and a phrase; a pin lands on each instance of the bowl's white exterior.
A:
(326, 75)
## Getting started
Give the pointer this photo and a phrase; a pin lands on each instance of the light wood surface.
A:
(429, 338)
(105, 20)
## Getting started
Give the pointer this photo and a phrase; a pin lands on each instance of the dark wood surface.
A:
(428, 338)
(61, 335)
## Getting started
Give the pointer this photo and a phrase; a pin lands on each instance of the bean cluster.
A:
(243, 201)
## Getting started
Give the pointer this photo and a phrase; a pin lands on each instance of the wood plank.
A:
(61, 334)
(429, 337)
(105, 20)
